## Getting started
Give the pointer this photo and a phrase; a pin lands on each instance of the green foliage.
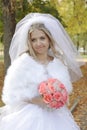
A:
(74, 14)
(43, 6)
(21, 9)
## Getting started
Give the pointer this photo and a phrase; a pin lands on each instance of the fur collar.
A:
(25, 74)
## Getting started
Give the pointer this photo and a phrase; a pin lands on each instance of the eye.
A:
(33, 40)
(42, 38)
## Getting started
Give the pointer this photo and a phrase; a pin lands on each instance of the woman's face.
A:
(39, 41)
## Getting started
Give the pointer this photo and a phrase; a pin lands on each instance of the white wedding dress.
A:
(21, 83)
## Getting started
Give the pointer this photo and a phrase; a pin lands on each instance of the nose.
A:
(38, 42)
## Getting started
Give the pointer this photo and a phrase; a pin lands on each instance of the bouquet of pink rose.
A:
(53, 92)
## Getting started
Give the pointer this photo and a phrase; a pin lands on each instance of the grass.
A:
(84, 56)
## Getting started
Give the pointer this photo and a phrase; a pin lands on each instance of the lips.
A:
(40, 47)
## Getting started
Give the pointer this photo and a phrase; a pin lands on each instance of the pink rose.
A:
(54, 93)
(42, 88)
(47, 98)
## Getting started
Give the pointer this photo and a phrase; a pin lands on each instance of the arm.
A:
(14, 89)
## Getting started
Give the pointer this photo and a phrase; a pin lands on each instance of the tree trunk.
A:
(9, 27)
(77, 45)
(84, 48)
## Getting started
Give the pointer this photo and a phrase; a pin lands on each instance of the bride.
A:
(40, 49)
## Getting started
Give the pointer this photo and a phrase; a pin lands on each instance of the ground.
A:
(80, 90)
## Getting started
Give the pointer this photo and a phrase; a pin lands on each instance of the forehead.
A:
(37, 33)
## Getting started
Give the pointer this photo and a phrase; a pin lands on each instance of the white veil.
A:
(63, 41)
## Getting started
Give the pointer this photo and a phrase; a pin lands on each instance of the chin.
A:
(41, 52)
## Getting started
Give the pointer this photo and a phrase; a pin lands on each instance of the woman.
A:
(40, 49)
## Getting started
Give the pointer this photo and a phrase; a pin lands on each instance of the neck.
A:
(43, 58)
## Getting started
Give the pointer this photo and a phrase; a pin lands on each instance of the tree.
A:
(24, 7)
(74, 14)
(43, 6)
(9, 27)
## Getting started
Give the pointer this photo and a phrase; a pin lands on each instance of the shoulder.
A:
(62, 66)
(59, 69)
(20, 59)
(24, 64)
(17, 68)
(58, 63)
(20, 62)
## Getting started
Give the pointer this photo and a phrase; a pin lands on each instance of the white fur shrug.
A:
(25, 74)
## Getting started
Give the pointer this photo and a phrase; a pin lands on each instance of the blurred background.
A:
(73, 16)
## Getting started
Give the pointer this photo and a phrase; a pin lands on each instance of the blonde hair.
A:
(41, 26)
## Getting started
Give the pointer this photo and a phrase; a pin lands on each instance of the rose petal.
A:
(47, 98)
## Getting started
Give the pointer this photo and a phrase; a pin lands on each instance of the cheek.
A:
(48, 44)
(33, 46)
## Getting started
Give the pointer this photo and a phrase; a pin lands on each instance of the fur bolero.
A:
(25, 74)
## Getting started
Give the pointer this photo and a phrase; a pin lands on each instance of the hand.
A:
(37, 100)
